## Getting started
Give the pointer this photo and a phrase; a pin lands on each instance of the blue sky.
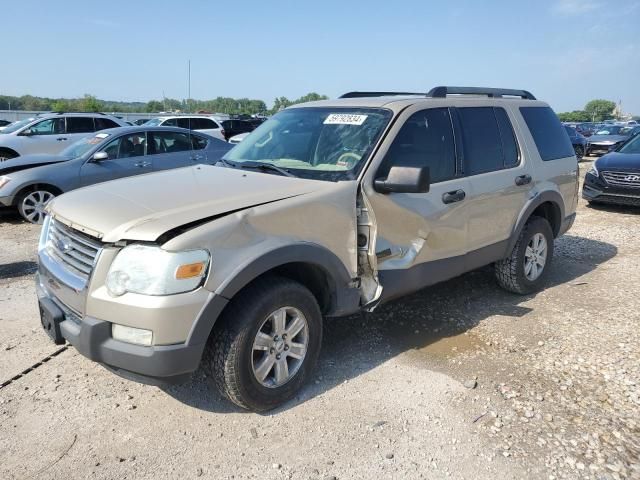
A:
(564, 51)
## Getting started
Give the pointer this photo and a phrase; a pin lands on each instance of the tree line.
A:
(594, 111)
(89, 103)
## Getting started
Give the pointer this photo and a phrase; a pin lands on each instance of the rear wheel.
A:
(525, 269)
(579, 151)
(31, 204)
(266, 344)
(6, 154)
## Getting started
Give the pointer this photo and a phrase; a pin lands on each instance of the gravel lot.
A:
(462, 380)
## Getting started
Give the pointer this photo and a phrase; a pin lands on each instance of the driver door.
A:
(46, 136)
(127, 157)
(420, 238)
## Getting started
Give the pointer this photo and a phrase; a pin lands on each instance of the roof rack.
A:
(377, 94)
(442, 92)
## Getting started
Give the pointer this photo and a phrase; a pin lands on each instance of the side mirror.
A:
(404, 179)
(100, 156)
(26, 132)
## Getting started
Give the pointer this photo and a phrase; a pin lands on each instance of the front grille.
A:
(74, 250)
(618, 200)
(622, 179)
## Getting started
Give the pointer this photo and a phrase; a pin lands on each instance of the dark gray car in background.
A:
(29, 183)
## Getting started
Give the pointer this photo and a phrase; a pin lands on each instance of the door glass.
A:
(80, 125)
(171, 122)
(126, 146)
(51, 126)
(168, 142)
(426, 139)
(509, 145)
(186, 123)
(104, 123)
(481, 140)
(198, 142)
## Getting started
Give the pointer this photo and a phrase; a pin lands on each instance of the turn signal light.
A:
(190, 270)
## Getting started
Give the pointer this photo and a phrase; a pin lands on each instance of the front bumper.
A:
(595, 189)
(154, 365)
(6, 201)
(598, 149)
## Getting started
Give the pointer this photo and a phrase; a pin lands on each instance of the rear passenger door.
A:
(79, 127)
(171, 150)
(500, 179)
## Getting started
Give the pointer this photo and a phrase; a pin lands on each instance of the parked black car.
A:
(615, 177)
(578, 141)
(235, 127)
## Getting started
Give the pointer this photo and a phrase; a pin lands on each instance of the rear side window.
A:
(547, 132)
(425, 139)
(104, 123)
(80, 125)
(203, 124)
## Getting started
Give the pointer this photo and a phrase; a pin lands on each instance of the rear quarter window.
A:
(548, 133)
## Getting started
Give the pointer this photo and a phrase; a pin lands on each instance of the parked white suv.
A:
(202, 123)
(51, 133)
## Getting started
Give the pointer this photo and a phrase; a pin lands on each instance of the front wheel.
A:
(31, 204)
(266, 344)
(525, 269)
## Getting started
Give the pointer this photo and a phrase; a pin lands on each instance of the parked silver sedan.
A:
(109, 154)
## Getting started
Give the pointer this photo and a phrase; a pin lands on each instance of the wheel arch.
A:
(314, 266)
(10, 150)
(548, 205)
(32, 187)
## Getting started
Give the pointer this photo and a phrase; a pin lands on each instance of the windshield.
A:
(609, 131)
(15, 126)
(632, 146)
(322, 143)
(81, 147)
(154, 122)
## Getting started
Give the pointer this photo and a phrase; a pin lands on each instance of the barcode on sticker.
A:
(345, 119)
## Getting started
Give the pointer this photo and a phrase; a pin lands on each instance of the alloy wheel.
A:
(33, 205)
(535, 257)
(280, 347)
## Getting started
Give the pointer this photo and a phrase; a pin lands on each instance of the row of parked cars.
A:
(327, 209)
(604, 138)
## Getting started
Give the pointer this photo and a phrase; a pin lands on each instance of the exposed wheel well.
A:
(37, 186)
(551, 212)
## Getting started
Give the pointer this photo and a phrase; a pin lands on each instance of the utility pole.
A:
(189, 86)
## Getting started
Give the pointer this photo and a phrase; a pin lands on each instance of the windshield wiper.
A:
(265, 166)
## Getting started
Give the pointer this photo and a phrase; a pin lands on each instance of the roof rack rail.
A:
(377, 94)
(442, 92)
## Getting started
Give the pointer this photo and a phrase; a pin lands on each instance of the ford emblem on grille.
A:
(64, 244)
(632, 178)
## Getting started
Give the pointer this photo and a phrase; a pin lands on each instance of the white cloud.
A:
(575, 7)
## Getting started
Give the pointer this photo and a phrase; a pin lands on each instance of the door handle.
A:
(523, 180)
(453, 197)
(61, 139)
(142, 164)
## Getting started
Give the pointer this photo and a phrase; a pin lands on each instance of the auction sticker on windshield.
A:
(345, 119)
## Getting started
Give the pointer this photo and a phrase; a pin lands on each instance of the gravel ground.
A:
(462, 380)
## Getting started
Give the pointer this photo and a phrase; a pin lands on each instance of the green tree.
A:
(91, 104)
(60, 105)
(599, 109)
(154, 106)
(575, 116)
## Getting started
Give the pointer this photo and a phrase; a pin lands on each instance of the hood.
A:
(146, 206)
(619, 161)
(30, 161)
(607, 138)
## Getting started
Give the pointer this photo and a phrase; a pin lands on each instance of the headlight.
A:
(4, 180)
(151, 270)
(594, 170)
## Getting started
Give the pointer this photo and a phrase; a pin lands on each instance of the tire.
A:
(579, 152)
(512, 273)
(7, 154)
(234, 361)
(31, 204)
